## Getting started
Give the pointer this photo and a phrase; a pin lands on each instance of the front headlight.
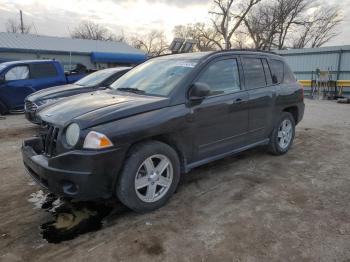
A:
(72, 134)
(95, 140)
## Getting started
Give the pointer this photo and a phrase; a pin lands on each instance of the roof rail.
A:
(247, 49)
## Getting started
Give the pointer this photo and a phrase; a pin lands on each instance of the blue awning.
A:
(122, 58)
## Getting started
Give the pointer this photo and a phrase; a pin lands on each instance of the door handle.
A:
(240, 101)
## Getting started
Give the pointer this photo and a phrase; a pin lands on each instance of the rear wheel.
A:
(149, 177)
(282, 136)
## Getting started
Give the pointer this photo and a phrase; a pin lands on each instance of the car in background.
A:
(18, 79)
(96, 81)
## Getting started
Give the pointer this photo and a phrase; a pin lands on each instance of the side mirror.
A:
(199, 91)
(2, 79)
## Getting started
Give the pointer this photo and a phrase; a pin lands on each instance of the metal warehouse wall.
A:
(303, 61)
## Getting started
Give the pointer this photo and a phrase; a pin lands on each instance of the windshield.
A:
(95, 79)
(155, 77)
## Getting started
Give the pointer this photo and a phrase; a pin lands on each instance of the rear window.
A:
(277, 69)
(254, 73)
(42, 70)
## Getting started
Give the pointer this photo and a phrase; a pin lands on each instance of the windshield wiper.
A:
(131, 90)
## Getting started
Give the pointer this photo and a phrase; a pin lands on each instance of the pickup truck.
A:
(18, 79)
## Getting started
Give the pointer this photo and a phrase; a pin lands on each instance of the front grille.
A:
(30, 106)
(49, 134)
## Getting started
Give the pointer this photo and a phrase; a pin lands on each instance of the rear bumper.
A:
(82, 175)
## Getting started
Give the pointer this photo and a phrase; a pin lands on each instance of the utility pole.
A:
(21, 17)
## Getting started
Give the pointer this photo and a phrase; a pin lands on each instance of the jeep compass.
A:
(162, 119)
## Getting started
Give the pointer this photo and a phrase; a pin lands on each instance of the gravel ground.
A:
(251, 207)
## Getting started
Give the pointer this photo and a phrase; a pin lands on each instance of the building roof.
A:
(30, 42)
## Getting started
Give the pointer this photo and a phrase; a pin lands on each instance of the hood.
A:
(92, 109)
(57, 92)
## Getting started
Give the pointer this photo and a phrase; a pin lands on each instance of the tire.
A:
(138, 171)
(3, 109)
(276, 145)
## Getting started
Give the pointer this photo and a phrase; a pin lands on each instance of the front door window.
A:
(17, 73)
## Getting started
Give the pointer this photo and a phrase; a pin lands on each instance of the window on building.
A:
(254, 73)
(17, 73)
(42, 70)
(222, 77)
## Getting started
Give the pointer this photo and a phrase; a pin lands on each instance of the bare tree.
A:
(93, 31)
(262, 27)
(12, 26)
(204, 36)
(226, 21)
(319, 29)
(289, 13)
(153, 43)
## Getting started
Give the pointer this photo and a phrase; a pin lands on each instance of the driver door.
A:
(220, 121)
(17, 86)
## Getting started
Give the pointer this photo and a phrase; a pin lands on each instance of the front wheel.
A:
(150, 176)
(282, 136)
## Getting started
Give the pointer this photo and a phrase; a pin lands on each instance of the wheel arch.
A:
(293, 110)
(167, 139)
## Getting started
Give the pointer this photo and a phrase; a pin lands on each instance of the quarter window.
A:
(42, 70)
(221, 77)
(17, 73)
(289, 77)
(277, 70)
(254, 73)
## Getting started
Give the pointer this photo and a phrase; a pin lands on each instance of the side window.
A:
(267, 72)
(42, 70)
(17, 73)
(289, 77)
(254, 73)
(277, 70)
(222, 77)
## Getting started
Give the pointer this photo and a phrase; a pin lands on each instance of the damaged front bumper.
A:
(78, 174)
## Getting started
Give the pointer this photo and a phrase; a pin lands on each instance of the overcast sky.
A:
(59, 17)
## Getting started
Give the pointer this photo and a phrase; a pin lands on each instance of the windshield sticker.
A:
(186, 64)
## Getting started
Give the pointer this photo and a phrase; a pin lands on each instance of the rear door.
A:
(262, 93)
(220, 121)
(45, 75)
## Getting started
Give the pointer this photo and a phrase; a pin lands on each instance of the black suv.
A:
(161, 119)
